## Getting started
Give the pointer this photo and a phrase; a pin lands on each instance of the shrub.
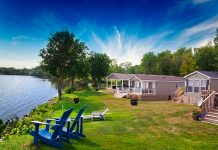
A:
(197, 114)
(17, 127)
(69, 90)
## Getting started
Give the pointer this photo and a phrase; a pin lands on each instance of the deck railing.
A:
(179, 91)
(143, 90)
(134, 90)
(205, 93)
(208, 103)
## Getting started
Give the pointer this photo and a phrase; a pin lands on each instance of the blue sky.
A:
(125, 30)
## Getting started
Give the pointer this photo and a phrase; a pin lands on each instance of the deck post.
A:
(111, 84)
(140, 87)
(129, 84)
(122, 85)
(106, 83)
(116, 84)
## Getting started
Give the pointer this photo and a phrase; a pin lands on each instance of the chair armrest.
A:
(57, 119)
(39, 122)
(87, 116)
(49, 119)
(44, 123)
(72, 118)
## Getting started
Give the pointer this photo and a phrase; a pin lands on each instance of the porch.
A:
(131, 86)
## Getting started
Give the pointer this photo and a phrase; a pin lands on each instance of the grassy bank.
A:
(150, 125)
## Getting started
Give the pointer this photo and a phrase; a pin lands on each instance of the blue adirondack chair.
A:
(51, 138)
(77, 123)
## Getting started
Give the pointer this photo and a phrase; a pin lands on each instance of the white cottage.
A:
(147, 87)
(201, 88)
(199, 85)
(199, 81)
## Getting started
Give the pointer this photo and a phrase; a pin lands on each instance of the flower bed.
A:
(197, 114)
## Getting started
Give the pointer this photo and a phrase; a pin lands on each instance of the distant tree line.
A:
(178, 63)
(37, 72)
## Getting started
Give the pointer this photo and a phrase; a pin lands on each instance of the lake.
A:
(20, 94)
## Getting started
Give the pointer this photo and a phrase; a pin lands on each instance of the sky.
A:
(123, 29)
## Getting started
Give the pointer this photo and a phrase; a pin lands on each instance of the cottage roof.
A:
(158, 77)
(212, 74)
(119, 76)
(123, 76)
(209, 74)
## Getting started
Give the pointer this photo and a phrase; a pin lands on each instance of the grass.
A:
(150, 125)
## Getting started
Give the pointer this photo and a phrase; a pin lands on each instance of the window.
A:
(197, 85)
(203, 84)
(190, 85)
(149, 85)
(153, 85)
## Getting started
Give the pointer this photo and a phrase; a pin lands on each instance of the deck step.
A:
(215, 110)
(212, 113)
(210, 122)
(211, 117)
(214, 121)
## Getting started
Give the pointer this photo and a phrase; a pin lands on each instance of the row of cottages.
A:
(145, 87)
(199, 88)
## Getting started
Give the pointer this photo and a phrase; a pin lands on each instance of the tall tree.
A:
(177, 60)
(164, 62)
(206, 58)
(115, 68)
(137, 69)
(58, 56)
(79, 66)
(149, 63)
(125, 66)
(188, 64)
(216, 39)
(99, 67)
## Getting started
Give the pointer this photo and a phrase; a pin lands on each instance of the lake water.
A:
(20, 94)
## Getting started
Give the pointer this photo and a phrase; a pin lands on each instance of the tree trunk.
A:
(72, 83)
(60, 87)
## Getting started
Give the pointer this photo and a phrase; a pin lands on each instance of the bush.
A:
(17, 127)
(197, 114)
(69, 90)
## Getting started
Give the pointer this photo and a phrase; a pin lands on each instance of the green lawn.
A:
(150, 125)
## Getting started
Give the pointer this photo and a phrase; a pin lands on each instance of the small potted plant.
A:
(197, 114)
(134, 101)
(76, 100)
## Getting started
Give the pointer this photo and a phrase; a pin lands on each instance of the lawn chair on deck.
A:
(55, 138)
